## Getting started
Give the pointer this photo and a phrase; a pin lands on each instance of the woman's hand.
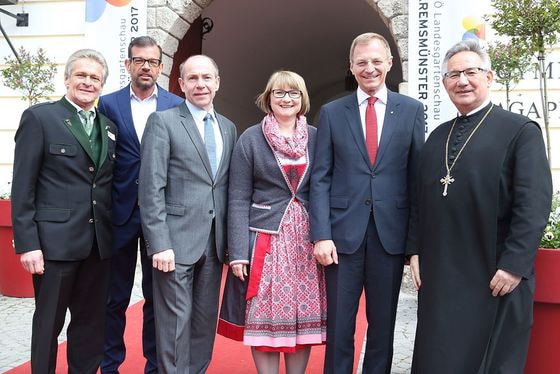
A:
(239, 270)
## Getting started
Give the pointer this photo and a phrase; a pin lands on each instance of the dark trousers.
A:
(81, 287)
(379, 274)
(123, 266)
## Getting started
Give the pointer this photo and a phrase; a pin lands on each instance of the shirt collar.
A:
(153, 95)
(199, 113)
(381, 95)
(78, 108)
(484, 104)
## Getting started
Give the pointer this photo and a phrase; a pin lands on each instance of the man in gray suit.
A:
(183, 198)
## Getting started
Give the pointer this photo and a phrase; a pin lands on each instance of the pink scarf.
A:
(293, 146)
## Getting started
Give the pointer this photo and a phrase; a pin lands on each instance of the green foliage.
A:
(509, 63)
(551, 236)
(532, 24)
(33, 76)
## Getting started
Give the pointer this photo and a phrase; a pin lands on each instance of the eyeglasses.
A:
(293, 94)
(139, 61)
(469, 73)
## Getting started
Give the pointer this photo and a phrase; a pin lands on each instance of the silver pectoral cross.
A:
(446, 181)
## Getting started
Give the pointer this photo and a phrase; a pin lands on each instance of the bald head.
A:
(199, 80)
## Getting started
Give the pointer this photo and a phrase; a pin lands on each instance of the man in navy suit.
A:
(129, 109)
(362, 204)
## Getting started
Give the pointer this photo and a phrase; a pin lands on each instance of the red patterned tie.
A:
(371, 129)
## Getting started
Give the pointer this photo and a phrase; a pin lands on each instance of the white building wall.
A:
(525, 99)
(57, 27)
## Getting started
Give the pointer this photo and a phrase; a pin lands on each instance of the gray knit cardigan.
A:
(259, 191)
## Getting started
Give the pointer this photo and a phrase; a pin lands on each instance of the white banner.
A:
(110, 26)
(434, 26)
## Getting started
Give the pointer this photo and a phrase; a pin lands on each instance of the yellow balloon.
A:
(470, 23)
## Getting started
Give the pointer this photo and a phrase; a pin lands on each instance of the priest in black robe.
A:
(484, 198)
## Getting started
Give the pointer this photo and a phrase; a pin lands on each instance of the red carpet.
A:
(229, 356)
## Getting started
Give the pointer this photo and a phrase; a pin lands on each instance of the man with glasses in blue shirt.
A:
(129, 109)
(483, 201)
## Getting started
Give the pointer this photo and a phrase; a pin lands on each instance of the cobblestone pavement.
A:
(16, 315)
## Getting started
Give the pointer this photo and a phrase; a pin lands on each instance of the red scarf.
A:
(293, 146)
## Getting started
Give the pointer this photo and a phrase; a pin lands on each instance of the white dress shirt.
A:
(141, 110)
(380, 107)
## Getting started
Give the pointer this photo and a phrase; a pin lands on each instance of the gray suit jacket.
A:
(177, 195)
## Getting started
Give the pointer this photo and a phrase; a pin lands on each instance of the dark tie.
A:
(85, 116)
(371, 129)
(210, 142)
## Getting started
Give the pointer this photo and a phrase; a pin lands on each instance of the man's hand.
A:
(325, 252)
(415, 270)
(33, 262)
(503, 282)
(164, 260)
(239, 270)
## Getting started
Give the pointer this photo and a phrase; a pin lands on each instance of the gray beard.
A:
(144, 86)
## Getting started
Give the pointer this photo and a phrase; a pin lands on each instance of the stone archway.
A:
(169, 20)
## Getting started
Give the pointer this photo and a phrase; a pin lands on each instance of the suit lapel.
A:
(74, 125)
(103, 129)
(225, 141)
(187, 121)
(389, 124)
(162, 100)
(123, 100)
(355, 125)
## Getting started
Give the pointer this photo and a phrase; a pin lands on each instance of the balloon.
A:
(469, 35)
(470, 23)
(94, 9)
(119, 2)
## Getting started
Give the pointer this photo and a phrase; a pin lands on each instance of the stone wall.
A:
(169, 21)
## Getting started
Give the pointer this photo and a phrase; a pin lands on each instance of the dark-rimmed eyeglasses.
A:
(469, 73)
(293, 94)
(139, 61)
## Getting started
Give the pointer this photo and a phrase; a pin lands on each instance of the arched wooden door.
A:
(190, 45)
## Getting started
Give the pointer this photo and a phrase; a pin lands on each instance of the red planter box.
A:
(14, 280)
(545, 335)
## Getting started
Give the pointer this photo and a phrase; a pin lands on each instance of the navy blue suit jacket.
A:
(344, 185)
(116, 106)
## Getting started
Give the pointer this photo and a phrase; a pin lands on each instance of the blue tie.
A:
(210, 142)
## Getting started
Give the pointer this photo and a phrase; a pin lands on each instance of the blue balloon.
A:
(94, 9)
(469, 35)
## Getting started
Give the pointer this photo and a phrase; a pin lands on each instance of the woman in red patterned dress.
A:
(268, 234)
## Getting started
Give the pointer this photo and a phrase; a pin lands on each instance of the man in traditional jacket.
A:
(484, 198)
(61, 213)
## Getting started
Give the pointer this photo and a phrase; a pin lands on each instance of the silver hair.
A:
(468, 45)
(91, 54)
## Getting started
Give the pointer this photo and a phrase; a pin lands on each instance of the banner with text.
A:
(110, 26)
(434, 26)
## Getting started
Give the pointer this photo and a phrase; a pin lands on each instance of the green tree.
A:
(33, 76)
(509, 64)
(533, 25)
